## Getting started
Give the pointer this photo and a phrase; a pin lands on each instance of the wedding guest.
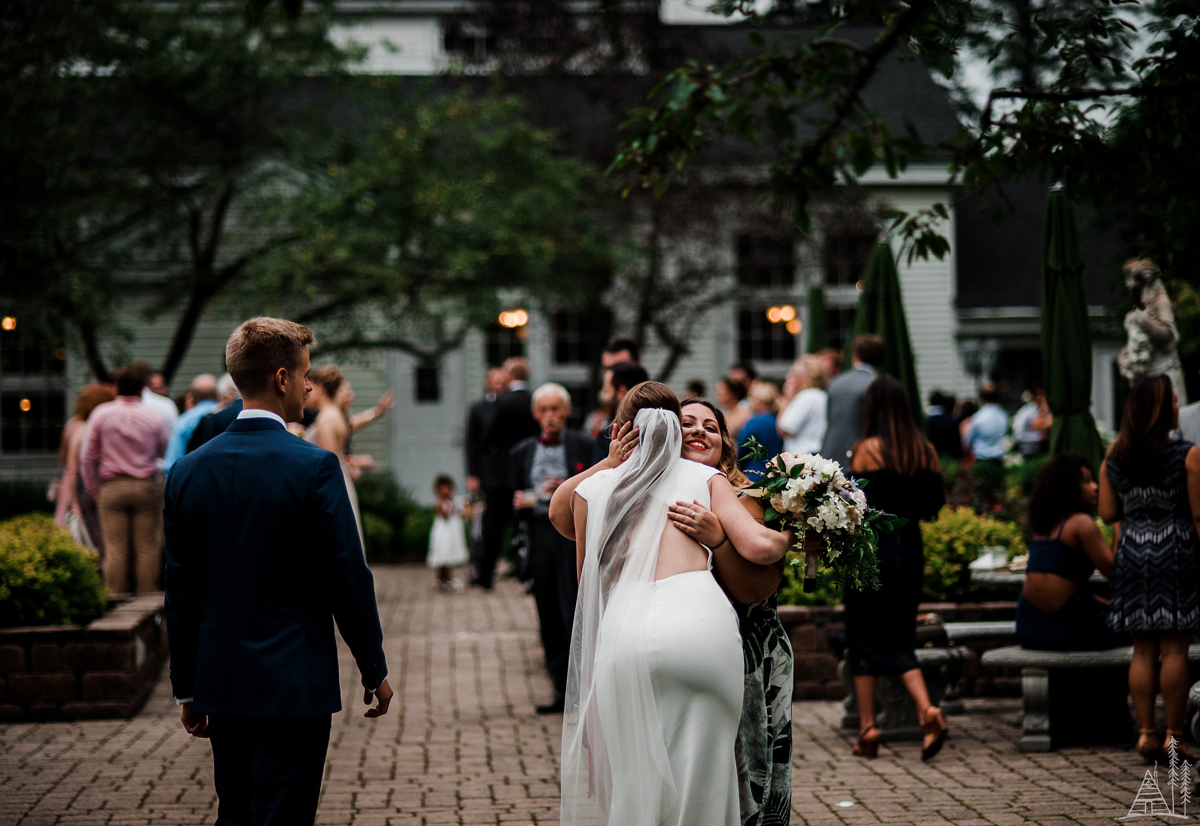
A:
(832, 358)
(965, 413)
(744, 372)
(802, 423)
(202, 399)
(847, 397)
(480, 464)
(942, 427)
(262, 561)
(125, 442)
(619, 350)
(1057, 610)
(156, 396)
(74, 506)
(730, 394)
(618, 381)
(902, 468)
(539, 466)
(330, 430)
(1150, 493)
(1032, 423)
(986, 437)
(695, 389)
(229, 407)
(762, 426)
(447, 545)
(764, 745)
(511, 423)
(357, 421)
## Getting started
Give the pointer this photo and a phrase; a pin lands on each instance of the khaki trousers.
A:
(131, 517)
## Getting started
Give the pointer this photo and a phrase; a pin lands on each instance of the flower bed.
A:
(103, 669)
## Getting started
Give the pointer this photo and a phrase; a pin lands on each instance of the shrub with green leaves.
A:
(386, 508)
(45, 577)
(953, 542)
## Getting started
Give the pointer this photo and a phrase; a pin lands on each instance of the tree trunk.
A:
(91, 351)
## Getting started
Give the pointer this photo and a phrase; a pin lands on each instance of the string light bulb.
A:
(514, 318)
(8, 323)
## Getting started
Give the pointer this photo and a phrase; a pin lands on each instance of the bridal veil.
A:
(611, 727)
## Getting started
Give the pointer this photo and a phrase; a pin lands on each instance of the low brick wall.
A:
(73, 672)
(816, 665)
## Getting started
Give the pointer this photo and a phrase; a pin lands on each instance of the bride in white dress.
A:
(654, 690)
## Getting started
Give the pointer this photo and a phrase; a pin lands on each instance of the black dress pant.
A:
(555, 590)
(497, 516)
(268, 770)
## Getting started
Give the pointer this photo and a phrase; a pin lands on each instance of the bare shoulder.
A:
(1192, 461)
(864, 456)
(1080, 524)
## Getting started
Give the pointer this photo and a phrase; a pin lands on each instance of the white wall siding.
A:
(928, 289)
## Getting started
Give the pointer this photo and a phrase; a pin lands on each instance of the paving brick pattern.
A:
(462, 745)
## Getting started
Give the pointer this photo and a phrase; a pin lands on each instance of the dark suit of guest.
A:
(479, 421)
(263, 556)
(551, 556)
(214, 424)
(512, 421)
(847, 400)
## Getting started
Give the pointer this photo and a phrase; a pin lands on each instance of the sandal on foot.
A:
(868, 743)
(1150, 747)
(933, 731)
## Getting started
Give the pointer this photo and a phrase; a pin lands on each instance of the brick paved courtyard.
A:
(462, 745)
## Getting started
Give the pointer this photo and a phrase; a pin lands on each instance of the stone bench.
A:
(895, 712)
(1072, 696)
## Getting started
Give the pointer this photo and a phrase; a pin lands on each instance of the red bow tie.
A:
(550, 439)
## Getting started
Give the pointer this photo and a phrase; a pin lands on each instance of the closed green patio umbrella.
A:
(818, 326)
(1066, 340)
(881, 311)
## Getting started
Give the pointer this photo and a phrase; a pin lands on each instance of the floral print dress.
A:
(764, 745)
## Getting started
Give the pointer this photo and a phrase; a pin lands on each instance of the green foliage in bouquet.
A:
(827, 590)
(849, 551)
(45, 578)
(953, 542)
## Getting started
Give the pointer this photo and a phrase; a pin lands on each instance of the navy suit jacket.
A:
(263, 555)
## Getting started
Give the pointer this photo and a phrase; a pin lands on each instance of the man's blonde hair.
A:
(258, 348)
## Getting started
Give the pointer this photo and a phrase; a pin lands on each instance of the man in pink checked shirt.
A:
(124, 443)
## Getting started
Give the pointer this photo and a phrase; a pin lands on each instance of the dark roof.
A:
(999, 250)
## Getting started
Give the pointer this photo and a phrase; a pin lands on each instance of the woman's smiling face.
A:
(701, 435)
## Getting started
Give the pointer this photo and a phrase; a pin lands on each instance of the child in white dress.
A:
(447, 544)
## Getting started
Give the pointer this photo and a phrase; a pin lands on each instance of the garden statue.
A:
(1150, 325)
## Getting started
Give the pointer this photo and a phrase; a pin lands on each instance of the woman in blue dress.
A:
(1057, 610)
(1150, 494)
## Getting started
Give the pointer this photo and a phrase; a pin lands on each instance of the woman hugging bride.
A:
(654, 689)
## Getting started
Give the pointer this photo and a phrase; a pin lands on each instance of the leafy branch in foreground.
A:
(1062, 71)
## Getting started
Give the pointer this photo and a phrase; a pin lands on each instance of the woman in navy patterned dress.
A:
(1150, 493)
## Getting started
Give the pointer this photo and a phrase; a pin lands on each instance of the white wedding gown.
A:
(682, 632)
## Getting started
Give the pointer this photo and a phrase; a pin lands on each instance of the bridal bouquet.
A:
(835, 527)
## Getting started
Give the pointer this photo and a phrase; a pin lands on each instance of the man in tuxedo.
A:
(618, 380)
(847, 397)
(539, 465)
(511, 423)
(263, 555)
(479, 463)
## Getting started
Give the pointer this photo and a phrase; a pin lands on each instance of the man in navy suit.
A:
(263, 555)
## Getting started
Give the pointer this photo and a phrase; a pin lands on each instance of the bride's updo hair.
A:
(647, 395)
